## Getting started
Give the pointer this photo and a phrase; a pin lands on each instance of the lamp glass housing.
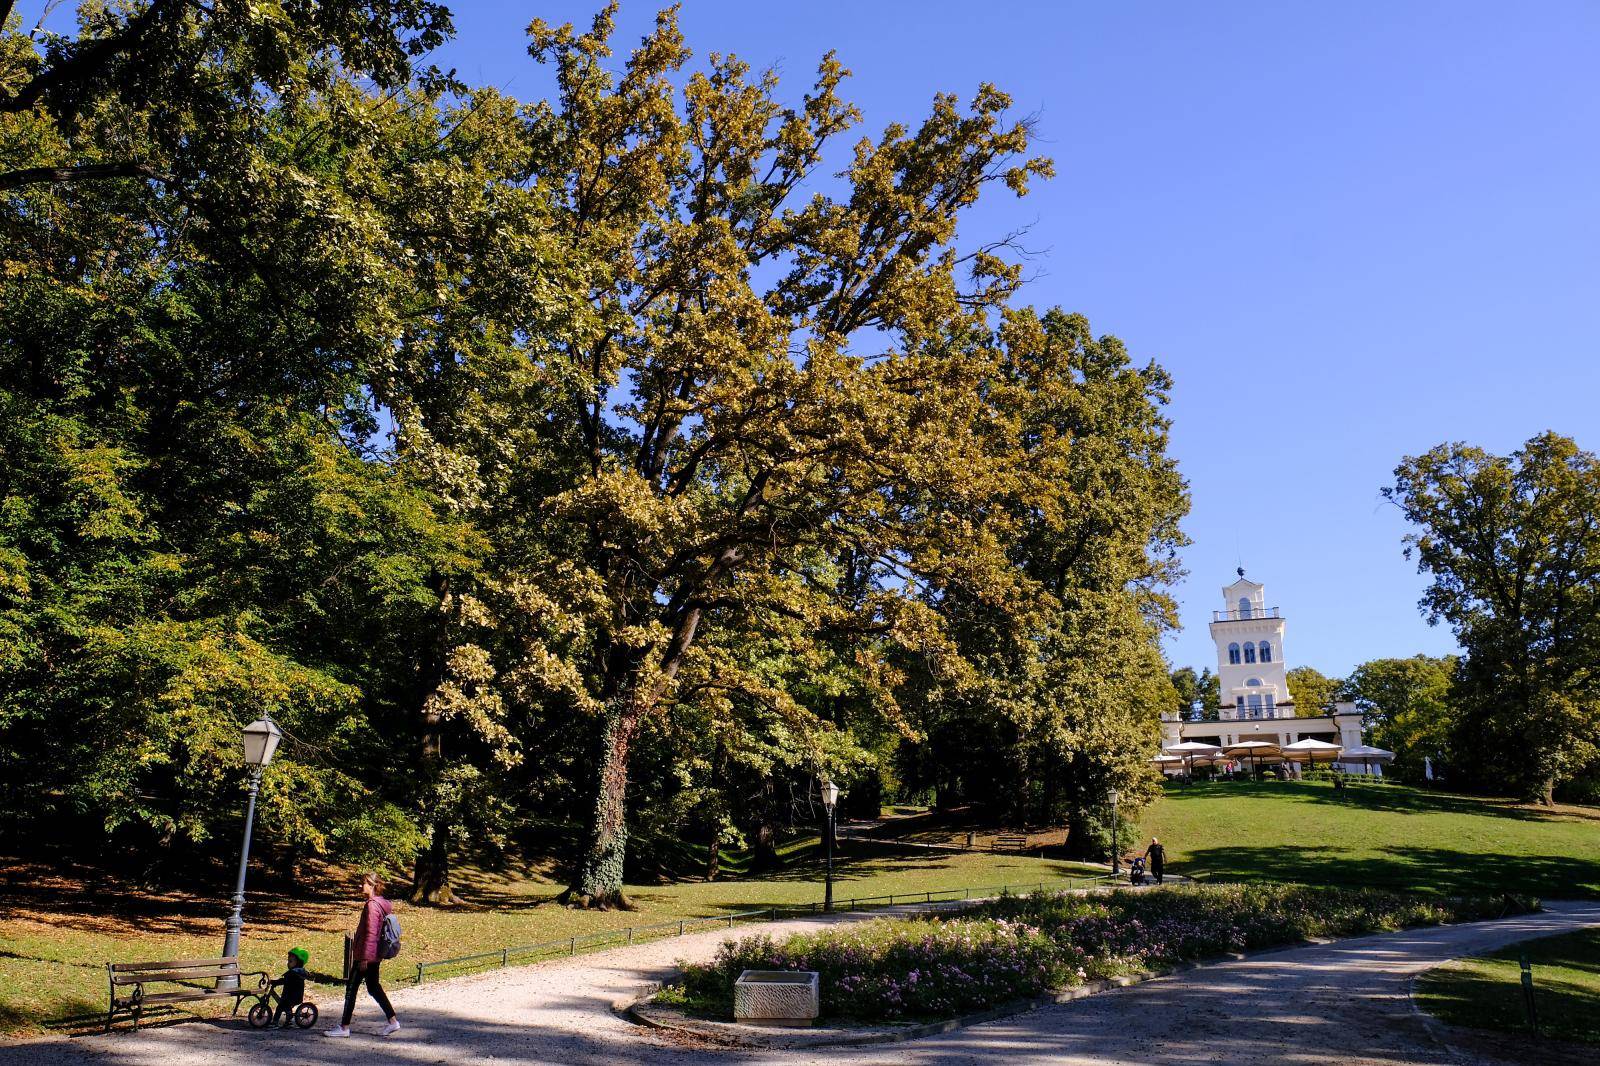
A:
(1113, 796)
(830, 793)
(261, 739)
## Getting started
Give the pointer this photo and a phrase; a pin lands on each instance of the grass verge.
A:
(1486, 992)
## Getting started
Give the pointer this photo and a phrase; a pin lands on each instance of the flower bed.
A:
(1016, 947)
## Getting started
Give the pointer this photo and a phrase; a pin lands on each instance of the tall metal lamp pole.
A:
(1116, 850)
(830, 798)
(261, 739)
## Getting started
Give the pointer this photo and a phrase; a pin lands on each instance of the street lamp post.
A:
(261, 739)
(1116, 858)
(830, 799)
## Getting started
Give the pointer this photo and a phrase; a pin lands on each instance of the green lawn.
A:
(1486, 993)
(1387, 836)
(56, 939)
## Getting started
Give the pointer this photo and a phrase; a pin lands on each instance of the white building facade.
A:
(1253, 678)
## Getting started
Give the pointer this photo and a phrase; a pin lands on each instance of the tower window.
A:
(1266, 652)
(1233, 654)
(1249, 652)
(1244, 606)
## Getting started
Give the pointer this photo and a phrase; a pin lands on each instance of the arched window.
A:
(1244, 606)
(1254, 682)
(1266, 652)
(1233, 654)
(1249, 652)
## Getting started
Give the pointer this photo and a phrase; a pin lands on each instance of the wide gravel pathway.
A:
(1346, 1002)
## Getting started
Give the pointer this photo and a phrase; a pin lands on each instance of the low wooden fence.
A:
(523, 954)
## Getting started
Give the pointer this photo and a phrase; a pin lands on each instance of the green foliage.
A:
(1312, 691)
(514, 455)
(1513, 552)
(1204, 688)
(1407, 708)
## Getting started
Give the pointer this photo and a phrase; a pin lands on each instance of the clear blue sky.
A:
(1373, 225)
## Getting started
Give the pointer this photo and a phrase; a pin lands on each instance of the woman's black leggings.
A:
(370, 976)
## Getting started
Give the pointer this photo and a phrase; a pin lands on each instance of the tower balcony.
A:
(1244, 616)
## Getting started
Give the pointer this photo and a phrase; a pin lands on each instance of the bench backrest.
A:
(130, 973)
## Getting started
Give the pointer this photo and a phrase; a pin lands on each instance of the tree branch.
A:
(15, 179)
(88, 57)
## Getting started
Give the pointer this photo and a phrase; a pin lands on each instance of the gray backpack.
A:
(389, 937)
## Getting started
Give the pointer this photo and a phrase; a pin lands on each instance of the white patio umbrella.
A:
(1309, 750)
(1192, 749)
(1168, 762)
(1253, 750)
(1366, 755)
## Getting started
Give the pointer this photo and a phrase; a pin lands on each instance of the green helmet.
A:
(299, 955)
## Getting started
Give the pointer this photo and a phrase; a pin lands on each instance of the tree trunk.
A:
(1080, 836)
(431, 883)
(714, 859)
(599, 880)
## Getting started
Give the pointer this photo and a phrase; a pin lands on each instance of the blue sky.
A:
(1351, 231)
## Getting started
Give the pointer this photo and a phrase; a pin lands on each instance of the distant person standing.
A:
(365, 957)
(1156, 856)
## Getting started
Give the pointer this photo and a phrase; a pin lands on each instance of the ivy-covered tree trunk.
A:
(599, 880)
(430, 882)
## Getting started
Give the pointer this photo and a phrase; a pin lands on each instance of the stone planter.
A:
(776, 997)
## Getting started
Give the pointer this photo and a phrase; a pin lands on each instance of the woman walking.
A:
(365, 960)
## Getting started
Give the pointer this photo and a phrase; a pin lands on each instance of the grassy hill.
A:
(1389, 836)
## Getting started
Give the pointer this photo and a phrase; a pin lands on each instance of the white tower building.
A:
(1250, 667)
(1253, 678)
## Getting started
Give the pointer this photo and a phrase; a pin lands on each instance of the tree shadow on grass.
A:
(1437, 871)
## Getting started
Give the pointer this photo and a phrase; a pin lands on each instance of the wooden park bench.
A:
(1010, 843)
(183, 973)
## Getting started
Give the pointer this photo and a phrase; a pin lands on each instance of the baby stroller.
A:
(1136, 871)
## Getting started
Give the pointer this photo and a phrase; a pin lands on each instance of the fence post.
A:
(505, 957)
(419, 973)
(1529, 1008)
(680, 928)
(572, 946)
(630, 934)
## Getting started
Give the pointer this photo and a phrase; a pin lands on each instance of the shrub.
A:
(1017, 947)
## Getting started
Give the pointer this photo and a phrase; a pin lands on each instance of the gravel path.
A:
(1347, 1002)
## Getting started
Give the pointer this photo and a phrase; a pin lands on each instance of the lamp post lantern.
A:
(261, 739)
(830, 799)
(1116, 858)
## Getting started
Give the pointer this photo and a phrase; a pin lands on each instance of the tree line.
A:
(597, 469)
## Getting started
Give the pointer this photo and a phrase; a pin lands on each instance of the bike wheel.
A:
(260, 1015)
(305, 1015)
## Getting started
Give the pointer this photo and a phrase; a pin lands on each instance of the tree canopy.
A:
(611, 459)
(1511, 545)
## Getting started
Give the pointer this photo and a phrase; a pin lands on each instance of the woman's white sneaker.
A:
(392, 1027)
(338, 1030)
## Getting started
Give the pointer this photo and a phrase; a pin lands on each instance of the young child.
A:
(291, 986)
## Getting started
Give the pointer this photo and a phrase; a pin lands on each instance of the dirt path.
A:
(1347, 1002)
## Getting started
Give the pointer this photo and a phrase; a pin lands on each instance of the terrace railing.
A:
(1244, 616)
